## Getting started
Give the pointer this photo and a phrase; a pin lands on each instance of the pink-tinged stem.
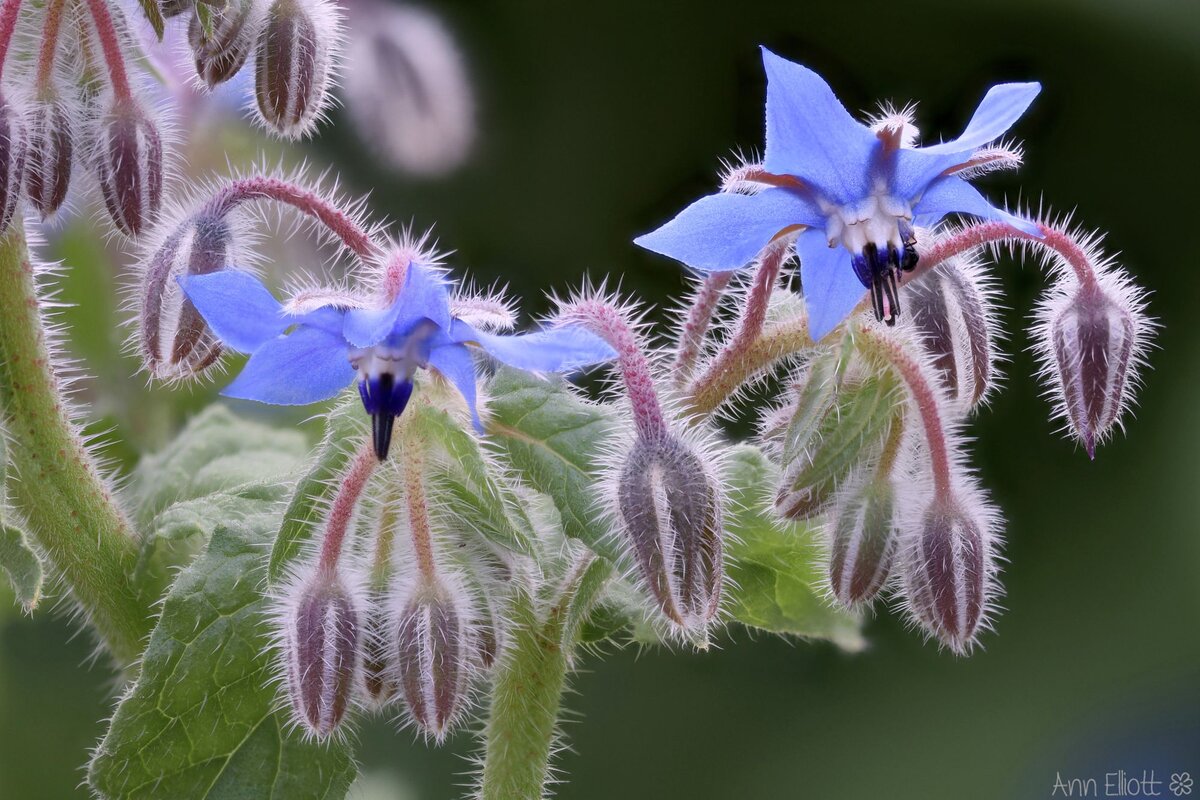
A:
(924, 396)
(261, 187)
(983, 233)
(9, 12)
(754, 313)
(418, 508)
(696, 323)
(49, 46)
(344, 503)
(110, 44)
(610, 324)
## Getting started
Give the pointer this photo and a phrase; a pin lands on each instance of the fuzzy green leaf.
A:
(579, 597)
(552, 437)
(467, 485)
(153, 16)
(21, 564)
(775, 566)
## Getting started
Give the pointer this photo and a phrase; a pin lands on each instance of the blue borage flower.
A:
(855, 195)
(301, 358)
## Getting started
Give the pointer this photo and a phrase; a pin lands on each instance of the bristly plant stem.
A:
(523, 718)
(70, 509)
(982, 233)
(10, 11)
(262, 187)
(110, 45)
(341, 511)
(49, 46)
(696, 323)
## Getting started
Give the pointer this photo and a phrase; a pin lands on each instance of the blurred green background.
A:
(596, 122)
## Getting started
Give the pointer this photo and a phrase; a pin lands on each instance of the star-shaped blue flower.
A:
(853, 194)
(302, 358)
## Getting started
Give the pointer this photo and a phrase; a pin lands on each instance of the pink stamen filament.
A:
(341, 512)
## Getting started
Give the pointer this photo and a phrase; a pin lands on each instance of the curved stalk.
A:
(70, 509)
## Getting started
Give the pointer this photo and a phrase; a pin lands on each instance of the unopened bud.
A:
(176, 342)
(434, 651)
(129, 166)
(173, 8)
(949, 309)
(321, 644)
(293, 63)
(379, 680)
(843, 415)
(1094, 338)
(862, 539)
(220, 55)
(51, 150)
(950, 570)
(13, 152)
(670, 508)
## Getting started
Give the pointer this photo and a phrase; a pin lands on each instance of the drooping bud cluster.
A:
(129, 165)
(52, 136)
(322, 640)
(1091, 339)
(863, 536)
(670, 510)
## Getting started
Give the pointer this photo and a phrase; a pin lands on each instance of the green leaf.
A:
(467, 485)
(552, 438)
(202, 721)
(206, 14)
(21, 564)
(219, 470)
(153, 16)
(579, 595)
(776, 567)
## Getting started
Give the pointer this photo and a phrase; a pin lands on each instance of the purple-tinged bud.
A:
(434, 650)
(129, 166)
(176, 342)
(293, 62)
(13, 152)
(173, 8)
(863, 536)
(321, 645)
(670, 508)
(51, 151)
(379, 677)
(843, 416)
(1091, 339)
(951, 311)
(220, 55)
(951, 569)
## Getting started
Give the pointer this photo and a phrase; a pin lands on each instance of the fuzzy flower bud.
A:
(321, 646)
(51, 150)
(434, 650)
(862, 534)
(175, 340)
(670, 508)
(220, 55)
(294, 59)
(1091, 341)
(173, 8)
(13, 151)
(129, 166)
(950, 310)
(951, 568)
(842, 416)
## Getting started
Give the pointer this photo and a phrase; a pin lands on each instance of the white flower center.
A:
(879, 219)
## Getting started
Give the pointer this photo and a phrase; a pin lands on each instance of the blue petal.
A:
(812, 136)
(238, 308)
(954, 195)
(303, 367)
(726, 231)
(831, 289)
(913, 170)
(563, 349)
(423, 296)
(1002, 106)
(455, 363)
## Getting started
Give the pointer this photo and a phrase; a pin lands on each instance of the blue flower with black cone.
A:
(302, 358)
(853, 195)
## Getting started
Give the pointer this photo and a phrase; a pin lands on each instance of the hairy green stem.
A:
(775, 343)
(525, 701)
(70, 509)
